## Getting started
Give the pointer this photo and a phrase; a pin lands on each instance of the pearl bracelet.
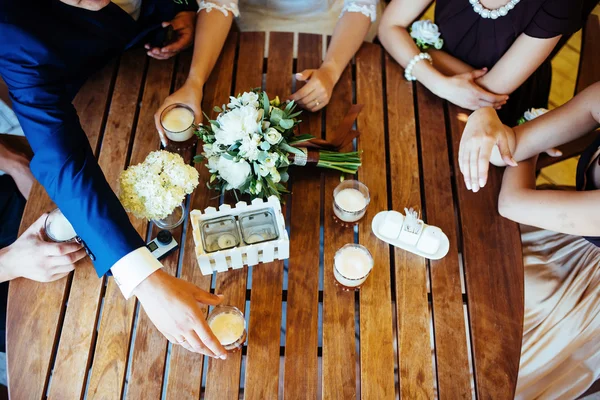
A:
(419, 57)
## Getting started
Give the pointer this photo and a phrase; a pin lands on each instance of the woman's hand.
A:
(32, 257)
(483, 132)
(190, 95)
(316, 93)
(184, 25)
(463, 91)
(174, 307)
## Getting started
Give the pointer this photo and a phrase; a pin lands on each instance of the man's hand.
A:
(317, 92)
(184, 25)
(174, 307)
(463, 91)
(483, 132)
(31, 257)
(190, 95)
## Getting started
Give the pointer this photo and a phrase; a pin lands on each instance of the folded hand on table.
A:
(184, 25)
(464, 91)
(175, 307)
(32, 257)
(316, 93)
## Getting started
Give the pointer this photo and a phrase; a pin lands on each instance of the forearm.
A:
(211, 31)
(562, 211)
(571, 121)
(348, 36)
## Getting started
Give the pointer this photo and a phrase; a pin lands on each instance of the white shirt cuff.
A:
(133, 269)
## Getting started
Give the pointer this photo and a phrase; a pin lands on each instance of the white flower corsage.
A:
(426, 34)
(530, 114)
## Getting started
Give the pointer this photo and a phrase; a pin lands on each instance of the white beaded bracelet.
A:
(419, 57)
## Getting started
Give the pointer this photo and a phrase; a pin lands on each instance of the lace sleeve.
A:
(366, 7)
(232, 7)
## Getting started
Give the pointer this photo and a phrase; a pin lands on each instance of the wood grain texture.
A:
(114, 334)
(339, 346)
(376, 331)
(184, 379)
(302, 336)
(452, 355)
(79, 327)
(29, 371)
(412, 311)
(493, 267)
(262, 367)
(150, 346)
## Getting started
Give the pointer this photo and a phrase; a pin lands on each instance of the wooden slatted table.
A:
(417, 329)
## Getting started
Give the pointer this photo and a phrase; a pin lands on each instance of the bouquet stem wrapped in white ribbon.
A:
(250, 145)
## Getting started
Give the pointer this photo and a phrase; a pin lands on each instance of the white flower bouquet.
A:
(251, 144)
(154, 188)
(426, 34)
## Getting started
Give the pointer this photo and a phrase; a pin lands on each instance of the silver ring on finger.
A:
(317, 103)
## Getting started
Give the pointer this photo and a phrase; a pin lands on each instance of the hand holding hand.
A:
(174, 307)
(316, 93)
(184, 25)
(188, 94)
(31, 257)
(463, 91)
(483, 132)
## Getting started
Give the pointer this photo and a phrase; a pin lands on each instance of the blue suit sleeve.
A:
(63, 161)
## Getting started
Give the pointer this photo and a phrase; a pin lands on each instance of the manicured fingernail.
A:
(468, 185)
(481, 182)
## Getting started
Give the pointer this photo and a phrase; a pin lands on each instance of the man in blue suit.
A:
(47, 50)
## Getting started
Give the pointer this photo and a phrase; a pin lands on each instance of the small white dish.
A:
(385, 225)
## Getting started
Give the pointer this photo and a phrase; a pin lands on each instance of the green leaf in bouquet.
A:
(199, 158)
(217, 109)
(266, 146)
(286, 123)
(294, 115)
(281, 188)
(289, 107)
(284, 176)
(275, 102)
(265, 104)
(276, 116)
(301, 139)
(235, 146)
(290, 149)
(212, 178)
(227, 156)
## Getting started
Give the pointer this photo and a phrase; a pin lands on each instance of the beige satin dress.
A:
(560, 356)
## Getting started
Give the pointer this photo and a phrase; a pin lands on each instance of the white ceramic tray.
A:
(442, 250)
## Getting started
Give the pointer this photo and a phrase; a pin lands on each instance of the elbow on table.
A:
(507, 205)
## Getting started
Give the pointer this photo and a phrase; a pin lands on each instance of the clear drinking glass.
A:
(177, 120)
(352, 264)
(58, 228)
(229, 326)
(350, 201)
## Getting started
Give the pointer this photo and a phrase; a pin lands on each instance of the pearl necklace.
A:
(493, 14)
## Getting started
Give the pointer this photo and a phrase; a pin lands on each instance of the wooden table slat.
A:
(150, 346)
(302, 336)
(452, 355)
(493, 261)
(114, 334)
(184, 379)
(412, 311)
(376, 330)
(339, 345)
(262, 366)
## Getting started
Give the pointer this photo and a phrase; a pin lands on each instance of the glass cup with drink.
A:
(350, 201)
(229, 326)
(352, 264)
(177, 121)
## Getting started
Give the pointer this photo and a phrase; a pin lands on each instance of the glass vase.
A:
(173, 220)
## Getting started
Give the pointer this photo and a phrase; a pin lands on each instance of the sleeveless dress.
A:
(482, 42)
(560, 355)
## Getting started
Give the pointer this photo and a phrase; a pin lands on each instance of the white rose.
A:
(275, 175)
(236, 124)
(213, 164)
(249, 147)
(234, 173)
(273, 136)
(270, 160)
(246, 99)
(263, 170)
(534, 113)
(426, 31)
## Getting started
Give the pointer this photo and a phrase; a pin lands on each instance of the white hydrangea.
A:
(236, 124)
(246, 99)
(154, 188)
(234, 173)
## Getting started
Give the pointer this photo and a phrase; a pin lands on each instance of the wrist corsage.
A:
(530, 114)
(426, 34)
